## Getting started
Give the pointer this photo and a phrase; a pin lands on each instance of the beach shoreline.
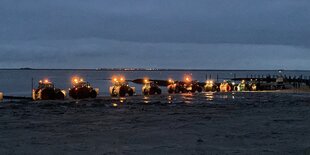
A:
(218, 123)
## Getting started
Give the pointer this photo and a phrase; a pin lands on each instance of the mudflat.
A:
(206, 123)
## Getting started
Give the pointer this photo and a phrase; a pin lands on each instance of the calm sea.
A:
(19, 82)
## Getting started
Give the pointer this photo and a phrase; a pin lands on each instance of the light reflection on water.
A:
(146, 99)
(116, 102)
(114, 105)
(226, 96)
(209, 96)
(122, 99)
(187, 98)
(170, 99)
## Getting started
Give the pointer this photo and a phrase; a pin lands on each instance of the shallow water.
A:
(19, 82)
(207, 123)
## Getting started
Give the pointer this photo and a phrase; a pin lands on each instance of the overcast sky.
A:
(198, 34)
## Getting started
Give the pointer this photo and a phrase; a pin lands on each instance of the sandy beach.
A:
(207, 123)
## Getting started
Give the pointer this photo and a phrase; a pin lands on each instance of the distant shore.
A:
(149, 69)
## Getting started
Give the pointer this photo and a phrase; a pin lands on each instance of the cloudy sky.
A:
(198, 34)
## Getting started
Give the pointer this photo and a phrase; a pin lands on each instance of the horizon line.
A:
(150, 69)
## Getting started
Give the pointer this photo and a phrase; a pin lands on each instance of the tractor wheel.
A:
(122, 92)
(193, 90)
(47, 94)
(93, 94)
(80, 94)
(152, 91)
(72, 94)
(214, 89)
(113, 93)
(145, 92)
(60, 96)
(170, 91)
(199, 89)
(130, 92)
(158, 91)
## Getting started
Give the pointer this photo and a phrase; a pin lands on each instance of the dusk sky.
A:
(190, 34)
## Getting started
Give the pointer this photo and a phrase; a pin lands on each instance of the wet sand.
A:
(207, 123)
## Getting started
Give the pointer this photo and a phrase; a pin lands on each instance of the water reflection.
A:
(115, 105)
(227, 96)
(122, 99)
(170, 99)
(116, 102)
(209, 96)
(146, 99)
(188, 98)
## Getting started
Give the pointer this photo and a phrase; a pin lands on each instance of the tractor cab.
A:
(78, 83)
(45, 84)
(119, 82)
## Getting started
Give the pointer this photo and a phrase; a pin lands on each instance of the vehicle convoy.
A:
(150, 88)
(121, 87)
(270, 83)
(47, 91)
(185, 86)
(82, 89)
(211, 86)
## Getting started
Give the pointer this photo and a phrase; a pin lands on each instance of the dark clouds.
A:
(92, 53)
(120, 33)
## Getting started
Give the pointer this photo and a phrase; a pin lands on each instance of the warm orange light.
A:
(187, 79)
(114, 79)
(118, 79)
(76, 79)
(46, 81)
(146, 80)
(170, 81)
(209, 82)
